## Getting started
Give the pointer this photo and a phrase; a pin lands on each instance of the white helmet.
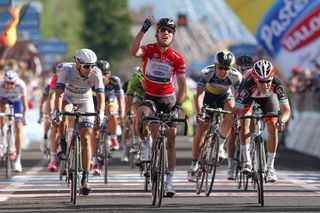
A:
(11, 76)
(135, 70)
(263, 69)
(85, 56)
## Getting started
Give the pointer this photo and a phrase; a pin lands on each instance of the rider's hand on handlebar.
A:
(56, 117)
(281, 126)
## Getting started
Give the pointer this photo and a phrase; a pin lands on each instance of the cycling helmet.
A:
(104, 66)
(263, 69)
(224, 58)
(140, 74)
(166, 22)
(296, 70)
(85, 56)
(11, 76)
(244, 61)
(135, 70)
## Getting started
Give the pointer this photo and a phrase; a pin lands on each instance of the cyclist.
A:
(13, 91)
(43, 110)
(114, 102)
(134, 97)
(53, 164)
(74, 84)
(266, 89)
(160, 64)
(244, 64)
(215, 90)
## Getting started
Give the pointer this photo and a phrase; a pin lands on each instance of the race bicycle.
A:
(259, 165)
(159, 158)
(208, 160)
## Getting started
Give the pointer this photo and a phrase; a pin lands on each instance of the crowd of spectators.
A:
(304, 87)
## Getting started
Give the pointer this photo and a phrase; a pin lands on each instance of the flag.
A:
(9, 36)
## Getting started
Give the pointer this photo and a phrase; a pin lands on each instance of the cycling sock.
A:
(230, 163)
(246, 152)
(194, 163)
(53, 159)
(94, 159)
(18, 157)
(270, 160)
(222, 139)
(169, 177)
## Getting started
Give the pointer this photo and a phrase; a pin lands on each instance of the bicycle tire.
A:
(213, 165)
(200, 173)
(9, 138)
(106, 156)
(260, 171)
(146, 176)
(154, 183)
(161, 172)
(75, 169)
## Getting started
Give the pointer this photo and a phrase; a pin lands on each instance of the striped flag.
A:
(9, 37)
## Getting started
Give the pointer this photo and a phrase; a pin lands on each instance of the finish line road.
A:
(37, 190)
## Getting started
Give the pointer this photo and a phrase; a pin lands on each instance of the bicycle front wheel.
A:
(212, 164)
(75, 169)
(260, 173)
(10, 140)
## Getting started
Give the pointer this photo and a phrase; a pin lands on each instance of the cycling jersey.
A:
(212, 84)
(135, 88)
(77, 86)
(53, 83)
(114, 87)
(159, 69)
(249, 92)
(15, 94)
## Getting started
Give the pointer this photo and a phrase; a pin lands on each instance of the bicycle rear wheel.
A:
(201, 171)
(146, 174)
(212, 164)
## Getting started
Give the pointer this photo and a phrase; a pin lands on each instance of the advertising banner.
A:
(288, 31)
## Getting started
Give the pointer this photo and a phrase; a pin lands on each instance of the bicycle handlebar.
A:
(261, 116)
(219, 110)
(79, 113)
(164, 118)
(16, 115)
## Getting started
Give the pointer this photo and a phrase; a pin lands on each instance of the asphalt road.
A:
(37, 190)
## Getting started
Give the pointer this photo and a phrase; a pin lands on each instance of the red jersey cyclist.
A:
(160, 65)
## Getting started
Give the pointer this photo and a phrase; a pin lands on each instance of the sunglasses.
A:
(265, 81)
(223, 68)
(87, 66)
(166, 29)
(244, 68)
(9, 82)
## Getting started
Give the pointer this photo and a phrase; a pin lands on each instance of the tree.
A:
(63, 20)
(106, 28)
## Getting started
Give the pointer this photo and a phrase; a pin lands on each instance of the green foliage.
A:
(63, 20)
(106, 28)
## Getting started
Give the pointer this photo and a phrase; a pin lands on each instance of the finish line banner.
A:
(288, 30)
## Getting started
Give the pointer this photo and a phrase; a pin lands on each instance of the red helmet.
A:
(296, 70)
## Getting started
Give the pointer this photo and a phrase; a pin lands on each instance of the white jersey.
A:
(77, 87)
(16, 93)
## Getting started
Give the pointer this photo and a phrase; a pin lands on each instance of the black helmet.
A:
(224, 58)
(166, 22)
(103, 65)
(244, 61)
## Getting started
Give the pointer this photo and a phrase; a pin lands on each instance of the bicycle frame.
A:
(208, 159)
(259, 164)
(159, 158)
(74, 154)
(8, 140)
